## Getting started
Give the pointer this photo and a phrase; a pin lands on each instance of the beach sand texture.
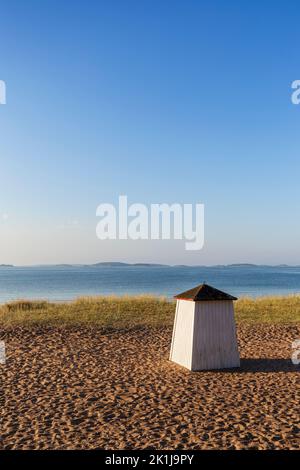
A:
(80, 388)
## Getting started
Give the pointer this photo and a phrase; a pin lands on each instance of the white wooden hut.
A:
(204, 334)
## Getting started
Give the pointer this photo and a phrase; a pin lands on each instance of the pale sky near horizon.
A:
(162, 101)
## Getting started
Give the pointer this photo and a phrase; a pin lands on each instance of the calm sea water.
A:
(65, 283)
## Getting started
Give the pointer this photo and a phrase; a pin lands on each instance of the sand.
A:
(80, 388)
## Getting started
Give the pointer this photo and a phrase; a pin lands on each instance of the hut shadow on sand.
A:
(264, 365)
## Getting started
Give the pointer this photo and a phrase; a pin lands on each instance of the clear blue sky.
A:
(165, 101)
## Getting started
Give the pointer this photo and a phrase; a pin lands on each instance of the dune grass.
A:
(285, 309)
(107, 312)
(130, 312)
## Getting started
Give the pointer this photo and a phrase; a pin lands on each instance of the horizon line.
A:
(125, 263)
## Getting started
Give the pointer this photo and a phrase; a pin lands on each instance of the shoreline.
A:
(133, 296)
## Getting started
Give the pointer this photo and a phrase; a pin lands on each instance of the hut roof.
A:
(204, 292)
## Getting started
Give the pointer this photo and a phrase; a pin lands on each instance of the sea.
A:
(64, 283)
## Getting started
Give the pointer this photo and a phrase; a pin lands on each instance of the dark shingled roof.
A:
(204, 292)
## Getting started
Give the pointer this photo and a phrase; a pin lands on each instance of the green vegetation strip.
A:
(130, 312)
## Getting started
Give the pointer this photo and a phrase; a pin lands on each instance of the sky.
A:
(165, 102)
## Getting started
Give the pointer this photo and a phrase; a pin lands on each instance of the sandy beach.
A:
(82, 388)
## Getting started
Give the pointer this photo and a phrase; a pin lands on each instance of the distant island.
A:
(120, 265)
(6, 265)
(243, 265)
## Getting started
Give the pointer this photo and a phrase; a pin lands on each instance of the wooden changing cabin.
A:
(204, 333)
